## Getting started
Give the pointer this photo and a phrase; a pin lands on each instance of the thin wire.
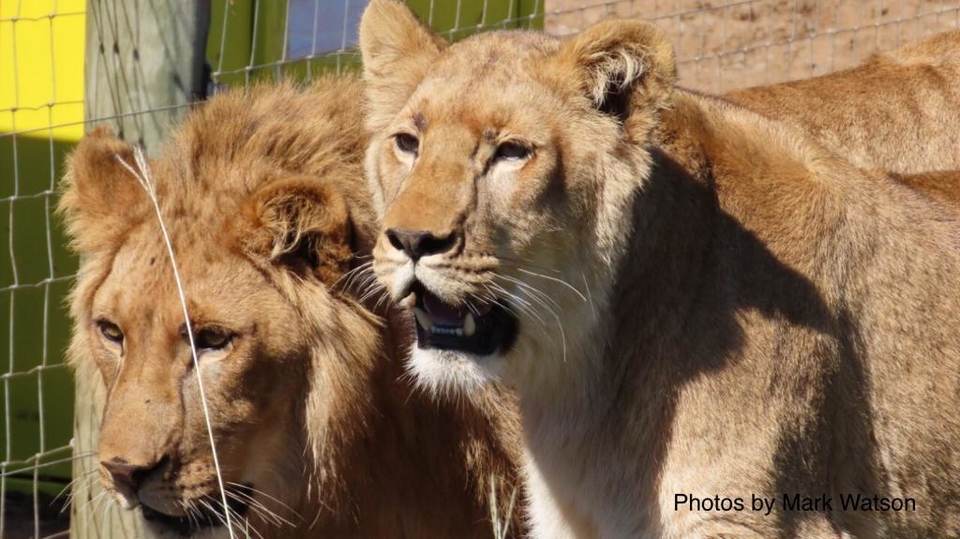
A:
(313, 43)
(223, 39)
(99, 118)
(45, 337)
(253, 42)
(16, 281)
(146, 181)
(286, 39)
(343, 33)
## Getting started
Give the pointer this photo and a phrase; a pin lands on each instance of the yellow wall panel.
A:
(41, 66)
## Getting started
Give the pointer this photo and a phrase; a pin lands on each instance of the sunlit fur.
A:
(738, 311)
(269, 217)
(943, 185)
(898, 111)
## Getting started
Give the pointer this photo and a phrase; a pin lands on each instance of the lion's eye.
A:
(512, 151)
(212, 339)
(110, 331)
(407, 143)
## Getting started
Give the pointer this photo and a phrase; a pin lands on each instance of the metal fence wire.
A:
(721, 45)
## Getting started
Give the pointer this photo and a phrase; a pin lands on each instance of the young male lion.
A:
(899, 111)
(316, 432)
(716, 328)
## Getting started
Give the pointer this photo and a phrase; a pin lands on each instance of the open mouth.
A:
(203, 516)
(480, 328)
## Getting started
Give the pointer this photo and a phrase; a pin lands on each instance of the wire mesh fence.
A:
(38, 58)
(727, 45)
(721, 45)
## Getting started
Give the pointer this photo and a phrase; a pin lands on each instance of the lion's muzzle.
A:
(453, 310)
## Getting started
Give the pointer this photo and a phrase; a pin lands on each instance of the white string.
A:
(142, 174)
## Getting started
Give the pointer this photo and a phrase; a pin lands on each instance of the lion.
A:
(317, 432)
(942, 185)
(897, 111)
(715, 327)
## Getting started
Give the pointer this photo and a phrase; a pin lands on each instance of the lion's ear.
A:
(100, 196)
(622, 65)
(397, 49)
(302, 225)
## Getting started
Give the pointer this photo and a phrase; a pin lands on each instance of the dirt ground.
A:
(724, 45)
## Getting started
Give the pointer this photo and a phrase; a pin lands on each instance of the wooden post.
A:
(144, 66)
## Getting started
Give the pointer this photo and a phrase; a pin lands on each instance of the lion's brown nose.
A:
(419, 243)
(125, 474)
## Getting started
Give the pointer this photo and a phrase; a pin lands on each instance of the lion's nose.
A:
(125, 474)
(420, 243)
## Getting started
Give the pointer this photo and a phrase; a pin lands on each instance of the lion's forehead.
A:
(145, 256)
(491, 83)
(217, 282)
(489, 60)
(465, 115)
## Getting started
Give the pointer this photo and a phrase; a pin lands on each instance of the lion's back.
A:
(897, 111)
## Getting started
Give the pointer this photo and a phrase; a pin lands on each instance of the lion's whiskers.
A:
(517, 305)
(535, 295)
(525, 262)
(190, 512)
(93, 503)
(522, 305)
(68, 488)
(586, 285)
(211, 511)
(368, 284)
(556, 280)
(268, 496)
(103, 504)
(261, 509)
(534, 292)
(372, 287)
(349, 277)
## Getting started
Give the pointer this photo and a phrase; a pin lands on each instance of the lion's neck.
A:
(629, 367)
(638, 294)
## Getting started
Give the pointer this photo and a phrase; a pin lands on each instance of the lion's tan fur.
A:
(899, 111)
(943, 185)
(262, 193)
(753, 315)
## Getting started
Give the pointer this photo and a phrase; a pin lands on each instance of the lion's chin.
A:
(452, 372)
(202, 518)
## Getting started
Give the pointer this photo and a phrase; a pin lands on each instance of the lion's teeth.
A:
(469, 325)
(423, 318)
(442, 330)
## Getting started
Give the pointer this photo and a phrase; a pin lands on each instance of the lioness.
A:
(899, 111)
(701, 309)
(943, 185)
(316, 431)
